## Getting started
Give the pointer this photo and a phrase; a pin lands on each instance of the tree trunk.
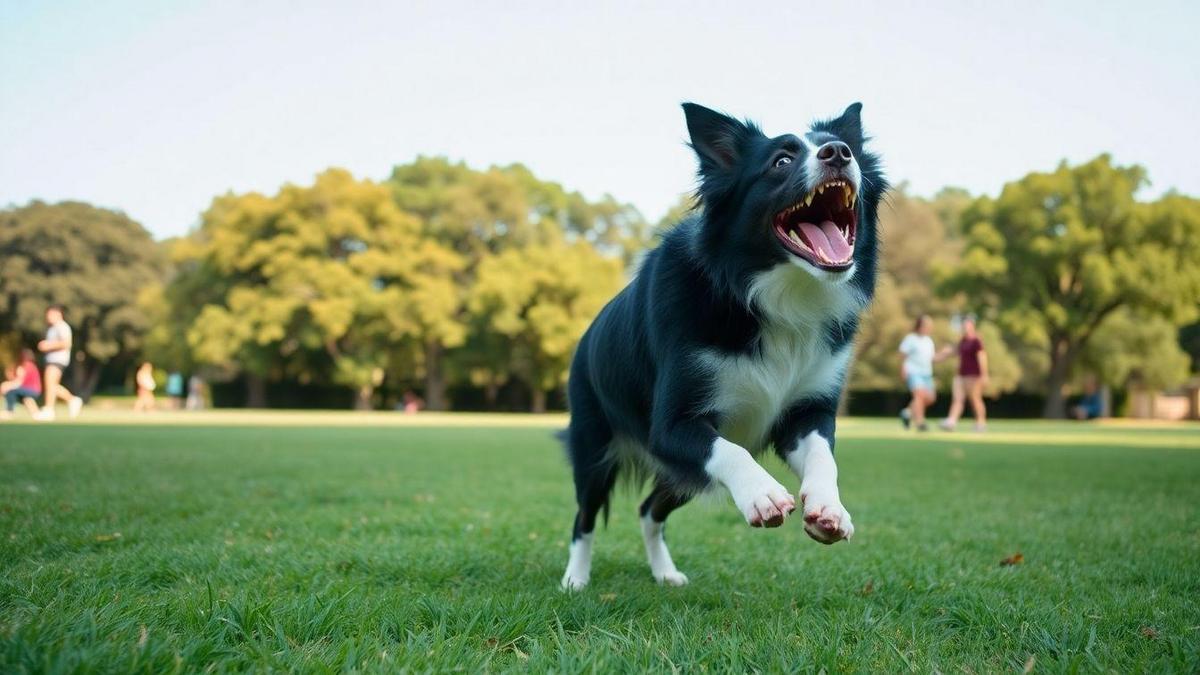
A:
(363, 398)
(256, 391)
(84, 378)
(491, 393)
(1061, 357)
(538, 405)
(435, 379)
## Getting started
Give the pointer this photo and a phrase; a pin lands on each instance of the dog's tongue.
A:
(827, 241)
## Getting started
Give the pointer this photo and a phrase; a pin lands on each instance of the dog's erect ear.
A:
(716, 138)
(848, 127)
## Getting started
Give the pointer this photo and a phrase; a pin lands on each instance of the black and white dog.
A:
(734, 336)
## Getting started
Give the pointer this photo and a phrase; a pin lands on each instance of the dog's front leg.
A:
(760, 498)
(695, 454)
(806, 443)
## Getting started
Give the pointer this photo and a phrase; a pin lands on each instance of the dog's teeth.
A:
(795, 237)
(821, 190)
(808, 199)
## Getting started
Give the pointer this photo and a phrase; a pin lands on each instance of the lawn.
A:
(330, 542)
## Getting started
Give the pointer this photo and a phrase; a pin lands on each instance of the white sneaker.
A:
(946, 425)
(74, 407)
(44, 415)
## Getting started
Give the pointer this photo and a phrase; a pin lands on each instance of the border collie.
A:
(734, 336)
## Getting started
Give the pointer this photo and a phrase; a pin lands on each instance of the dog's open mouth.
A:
(820, 228)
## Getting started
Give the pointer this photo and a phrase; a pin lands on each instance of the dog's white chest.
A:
(794, 360)
(751, 391)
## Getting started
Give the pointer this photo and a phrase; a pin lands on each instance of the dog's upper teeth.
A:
(808, 199)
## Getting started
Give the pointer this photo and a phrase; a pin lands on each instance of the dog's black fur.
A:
(637, 373)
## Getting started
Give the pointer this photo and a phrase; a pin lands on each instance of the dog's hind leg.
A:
(654, 511)
(595, 474)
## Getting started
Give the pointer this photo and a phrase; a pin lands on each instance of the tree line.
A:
(444, 276)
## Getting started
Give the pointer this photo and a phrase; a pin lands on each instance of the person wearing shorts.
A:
(971, 379)
(24, 386)
(916, 369)
(56, 350)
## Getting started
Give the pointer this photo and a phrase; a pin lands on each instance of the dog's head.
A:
(806, 199)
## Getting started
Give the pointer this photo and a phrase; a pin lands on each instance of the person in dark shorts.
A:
(971, 379)
(25, 386)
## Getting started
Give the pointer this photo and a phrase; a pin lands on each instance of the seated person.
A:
(25, 385)
(1091, 404)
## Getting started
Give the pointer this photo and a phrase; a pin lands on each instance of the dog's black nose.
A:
(835, 153)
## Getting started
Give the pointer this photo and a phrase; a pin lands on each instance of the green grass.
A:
(350, 542)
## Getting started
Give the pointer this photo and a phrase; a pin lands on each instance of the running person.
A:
(57, 350)
(971, 379)
(916, 369)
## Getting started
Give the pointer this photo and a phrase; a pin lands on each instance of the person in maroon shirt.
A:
(971, 379)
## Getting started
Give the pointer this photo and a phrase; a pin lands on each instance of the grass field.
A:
(331, 542)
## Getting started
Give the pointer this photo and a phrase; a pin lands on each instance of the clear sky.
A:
(155, 107)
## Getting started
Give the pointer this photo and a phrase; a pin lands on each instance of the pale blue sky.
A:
(155, 107)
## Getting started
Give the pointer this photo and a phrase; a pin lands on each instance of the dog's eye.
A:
(783, 161)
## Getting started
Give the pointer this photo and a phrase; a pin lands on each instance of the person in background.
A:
(916, 369)
(412, 403)
(971, 379)
(144, 379)
(1091, 404)
(195, 395)
(174, 390)
(24, 384)
(57, 350)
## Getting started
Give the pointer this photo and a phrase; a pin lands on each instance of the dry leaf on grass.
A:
(108, 537)
(1014, 559)
(1150, 633)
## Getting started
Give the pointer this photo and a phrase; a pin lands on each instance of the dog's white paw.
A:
(571, 583)
(825, 519)
(763, 502)
(673, 578)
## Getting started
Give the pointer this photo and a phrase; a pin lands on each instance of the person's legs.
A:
(917, 406)
(52, 376)
(975, 387)
(956, 404)
(10, 399)
(30, 404)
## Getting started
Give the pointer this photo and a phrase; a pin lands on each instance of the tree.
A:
(479, 214)
(93, 261)
(323, 281)
(542, 298)
(1056, 254)
(1131, 349)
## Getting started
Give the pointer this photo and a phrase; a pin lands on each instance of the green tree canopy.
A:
(330, 280)
(541, 299)
(484, 213)
(93, 261)
(1056, 254)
